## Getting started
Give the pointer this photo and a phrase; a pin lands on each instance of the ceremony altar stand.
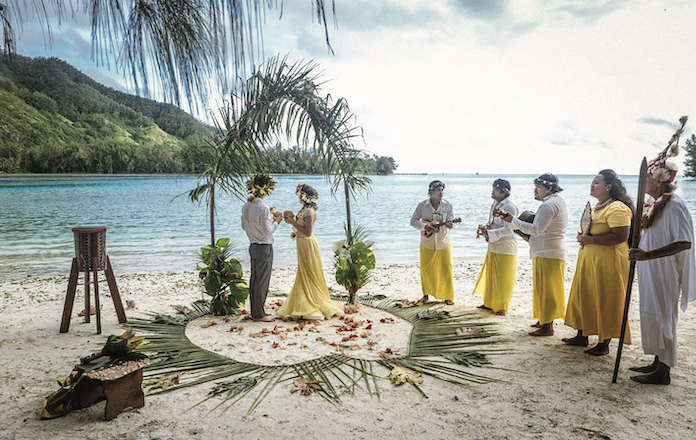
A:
(90, 256)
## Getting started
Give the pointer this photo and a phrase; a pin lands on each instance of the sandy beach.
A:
(546, 390)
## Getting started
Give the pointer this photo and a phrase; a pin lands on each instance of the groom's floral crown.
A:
(260, 185)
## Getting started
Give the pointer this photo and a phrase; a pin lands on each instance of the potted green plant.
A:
(354, 261)
(222, 278)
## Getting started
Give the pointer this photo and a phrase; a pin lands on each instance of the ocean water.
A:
(151, 229)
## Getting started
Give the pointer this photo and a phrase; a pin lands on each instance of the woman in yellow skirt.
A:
(309, 297)
(598, 292)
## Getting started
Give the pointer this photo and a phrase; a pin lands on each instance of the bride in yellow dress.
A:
(309, 297)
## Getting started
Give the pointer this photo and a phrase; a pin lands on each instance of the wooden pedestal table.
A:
(120, 385)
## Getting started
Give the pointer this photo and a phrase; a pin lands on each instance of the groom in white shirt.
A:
(259, 224)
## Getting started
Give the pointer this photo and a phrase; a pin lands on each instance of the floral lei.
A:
(256, 191)
(651, 211)
(293, 234)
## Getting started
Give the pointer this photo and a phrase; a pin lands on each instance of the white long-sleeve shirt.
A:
(547, 233)
(501, 239)
(426, 213)
(257, 222)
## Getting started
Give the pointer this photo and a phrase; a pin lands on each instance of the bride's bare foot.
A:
(544, 330)
(449, 302)
(658, 377)
(424, 299)
(648, 368)
(578, 340)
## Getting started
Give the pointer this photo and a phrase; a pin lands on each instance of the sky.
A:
(492, 87)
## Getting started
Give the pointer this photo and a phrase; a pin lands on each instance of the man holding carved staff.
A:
(547, 251)
(665, 266)
(499, 271)
(434, 218)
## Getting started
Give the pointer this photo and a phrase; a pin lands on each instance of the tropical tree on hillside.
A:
(172, 46)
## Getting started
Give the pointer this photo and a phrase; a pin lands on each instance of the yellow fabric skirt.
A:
(436, 272)
(497, 281)
(309, 297)
(549, 293)
(598, 293)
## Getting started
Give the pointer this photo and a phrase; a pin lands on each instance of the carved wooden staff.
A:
(634, 241)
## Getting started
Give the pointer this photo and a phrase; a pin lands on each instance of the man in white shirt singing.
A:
(259, 224)
(547, 251)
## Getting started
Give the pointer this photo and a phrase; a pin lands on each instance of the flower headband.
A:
(306, 198)
(434, 185)
(260, 185)
(503, 185)
(658, 168)
(550, 184)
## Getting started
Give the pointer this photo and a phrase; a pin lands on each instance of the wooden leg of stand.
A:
(97, 310)
(115, 295)
(69, 297)
(87, 317)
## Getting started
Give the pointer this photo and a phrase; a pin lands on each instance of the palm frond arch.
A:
(281, 100)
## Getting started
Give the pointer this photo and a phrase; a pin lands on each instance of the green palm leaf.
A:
(435, 350)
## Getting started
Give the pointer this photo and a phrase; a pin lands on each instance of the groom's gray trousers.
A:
(261, 265)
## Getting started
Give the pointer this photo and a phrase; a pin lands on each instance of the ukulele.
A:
(526, 216)
(436, 226)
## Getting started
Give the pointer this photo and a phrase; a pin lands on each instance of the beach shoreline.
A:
(546, 390)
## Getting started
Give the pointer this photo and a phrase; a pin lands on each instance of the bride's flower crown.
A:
(306, 198)
(260, 185)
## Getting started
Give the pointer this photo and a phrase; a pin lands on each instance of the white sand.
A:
(553, 392)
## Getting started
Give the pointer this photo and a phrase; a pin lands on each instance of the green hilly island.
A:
(55, 119)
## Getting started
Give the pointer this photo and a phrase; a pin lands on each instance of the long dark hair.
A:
(617, 190)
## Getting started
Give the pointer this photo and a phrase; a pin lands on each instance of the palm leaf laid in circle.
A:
(436, 349)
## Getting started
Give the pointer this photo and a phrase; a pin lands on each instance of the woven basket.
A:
(89, 243)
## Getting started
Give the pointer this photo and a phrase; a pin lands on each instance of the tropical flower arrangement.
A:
(222, 278)
(354, 261)
(260, 185)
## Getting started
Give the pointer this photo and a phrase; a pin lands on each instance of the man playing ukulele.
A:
(499, 271)
(433, 217)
